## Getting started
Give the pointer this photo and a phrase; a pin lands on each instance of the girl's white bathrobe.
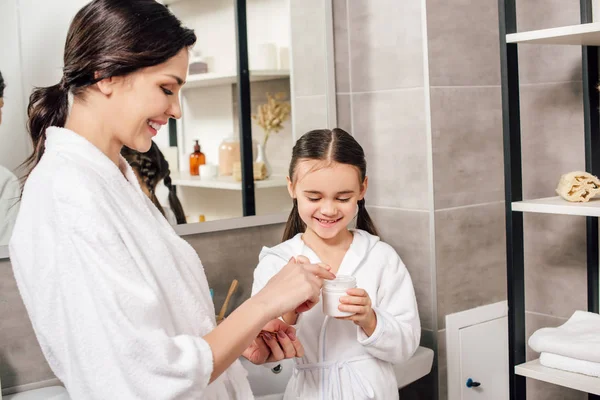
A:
(340, 361)
(118, 301)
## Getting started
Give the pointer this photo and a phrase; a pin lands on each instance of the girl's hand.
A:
(359, 302)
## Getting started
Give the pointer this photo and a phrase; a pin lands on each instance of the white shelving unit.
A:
(578, 35)
(557, 205)
(225, 182)
(535, 370)
(217, 79)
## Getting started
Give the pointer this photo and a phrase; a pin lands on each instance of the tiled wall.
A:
(385, 100)
(466, 125)
(225, 255)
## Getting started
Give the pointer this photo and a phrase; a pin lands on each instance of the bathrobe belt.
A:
(332, 371)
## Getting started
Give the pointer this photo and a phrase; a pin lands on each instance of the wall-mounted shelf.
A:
(218, 79)
(582, 34)
(535, 370)
(557, 205)
(225, 182)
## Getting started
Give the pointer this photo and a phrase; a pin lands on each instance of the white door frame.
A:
(454, 323)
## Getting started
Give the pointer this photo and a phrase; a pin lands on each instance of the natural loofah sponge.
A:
(578, 186)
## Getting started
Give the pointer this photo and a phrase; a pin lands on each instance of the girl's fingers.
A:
(355, 300)
(352, 309)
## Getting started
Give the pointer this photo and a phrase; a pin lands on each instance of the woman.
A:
(150, 168)
(118, 301)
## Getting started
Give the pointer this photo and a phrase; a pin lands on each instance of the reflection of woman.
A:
(9, 190)
(119, 302)
(150, 168)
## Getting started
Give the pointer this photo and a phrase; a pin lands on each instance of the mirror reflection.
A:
(193, 171)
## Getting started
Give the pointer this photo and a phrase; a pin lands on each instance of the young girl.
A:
(150, 168)
(327, 182)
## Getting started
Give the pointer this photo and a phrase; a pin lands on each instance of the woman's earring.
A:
(357, 210)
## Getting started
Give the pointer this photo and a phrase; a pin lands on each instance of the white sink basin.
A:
(47, 393)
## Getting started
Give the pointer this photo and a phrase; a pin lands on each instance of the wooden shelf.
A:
(578, 35)
(219, 79)
(535, 370)
(557, 205)
(225, 182)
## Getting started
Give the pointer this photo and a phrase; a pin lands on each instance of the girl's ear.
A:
(290, 187)
(363, 188)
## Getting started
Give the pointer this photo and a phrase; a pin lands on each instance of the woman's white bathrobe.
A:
(340, 361)
(118, 301)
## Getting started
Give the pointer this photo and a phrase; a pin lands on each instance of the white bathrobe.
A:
(118, 301)
(340, 361)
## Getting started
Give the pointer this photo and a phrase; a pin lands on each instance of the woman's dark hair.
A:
(2, 86)
(329, 146)
(107, 38)
(152, 167)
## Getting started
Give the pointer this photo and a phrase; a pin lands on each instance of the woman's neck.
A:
(83, 121)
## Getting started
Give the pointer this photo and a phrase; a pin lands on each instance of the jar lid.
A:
(341, 282)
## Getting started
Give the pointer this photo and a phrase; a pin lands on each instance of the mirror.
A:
(290, 52)
(280, 35)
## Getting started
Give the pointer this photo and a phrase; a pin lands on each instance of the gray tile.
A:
(344, 112)
(386, 44)
(21, 359)
(552, 136)
(340, 38)
(555, 264)
(408, 233)
(548, 63)
(233, 254)
(544, 14)
(470, 257)
(308, 49)
(391, 128)
(463, 43)
(468, 157)
(539, 63)
(538, 390)
(309, 113)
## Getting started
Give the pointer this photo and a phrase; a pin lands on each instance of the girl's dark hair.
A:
(152, 167)
(106, 38)
(2, 86)
(329, 146)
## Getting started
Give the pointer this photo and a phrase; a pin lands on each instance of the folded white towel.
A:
(570, 364)
(577, 338)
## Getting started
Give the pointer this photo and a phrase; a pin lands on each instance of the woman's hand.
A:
(358, 301)
(276, 341)
(295, 288)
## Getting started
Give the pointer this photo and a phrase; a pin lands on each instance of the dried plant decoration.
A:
(272, 114)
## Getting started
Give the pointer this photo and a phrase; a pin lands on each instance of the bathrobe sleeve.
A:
(268, 266)
(113, 323)
(398, 330)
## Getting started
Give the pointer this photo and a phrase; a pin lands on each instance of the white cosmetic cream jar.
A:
(332, 291)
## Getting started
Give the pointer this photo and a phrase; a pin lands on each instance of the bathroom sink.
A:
(414, 369)
(265, 383)
(47, 393)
